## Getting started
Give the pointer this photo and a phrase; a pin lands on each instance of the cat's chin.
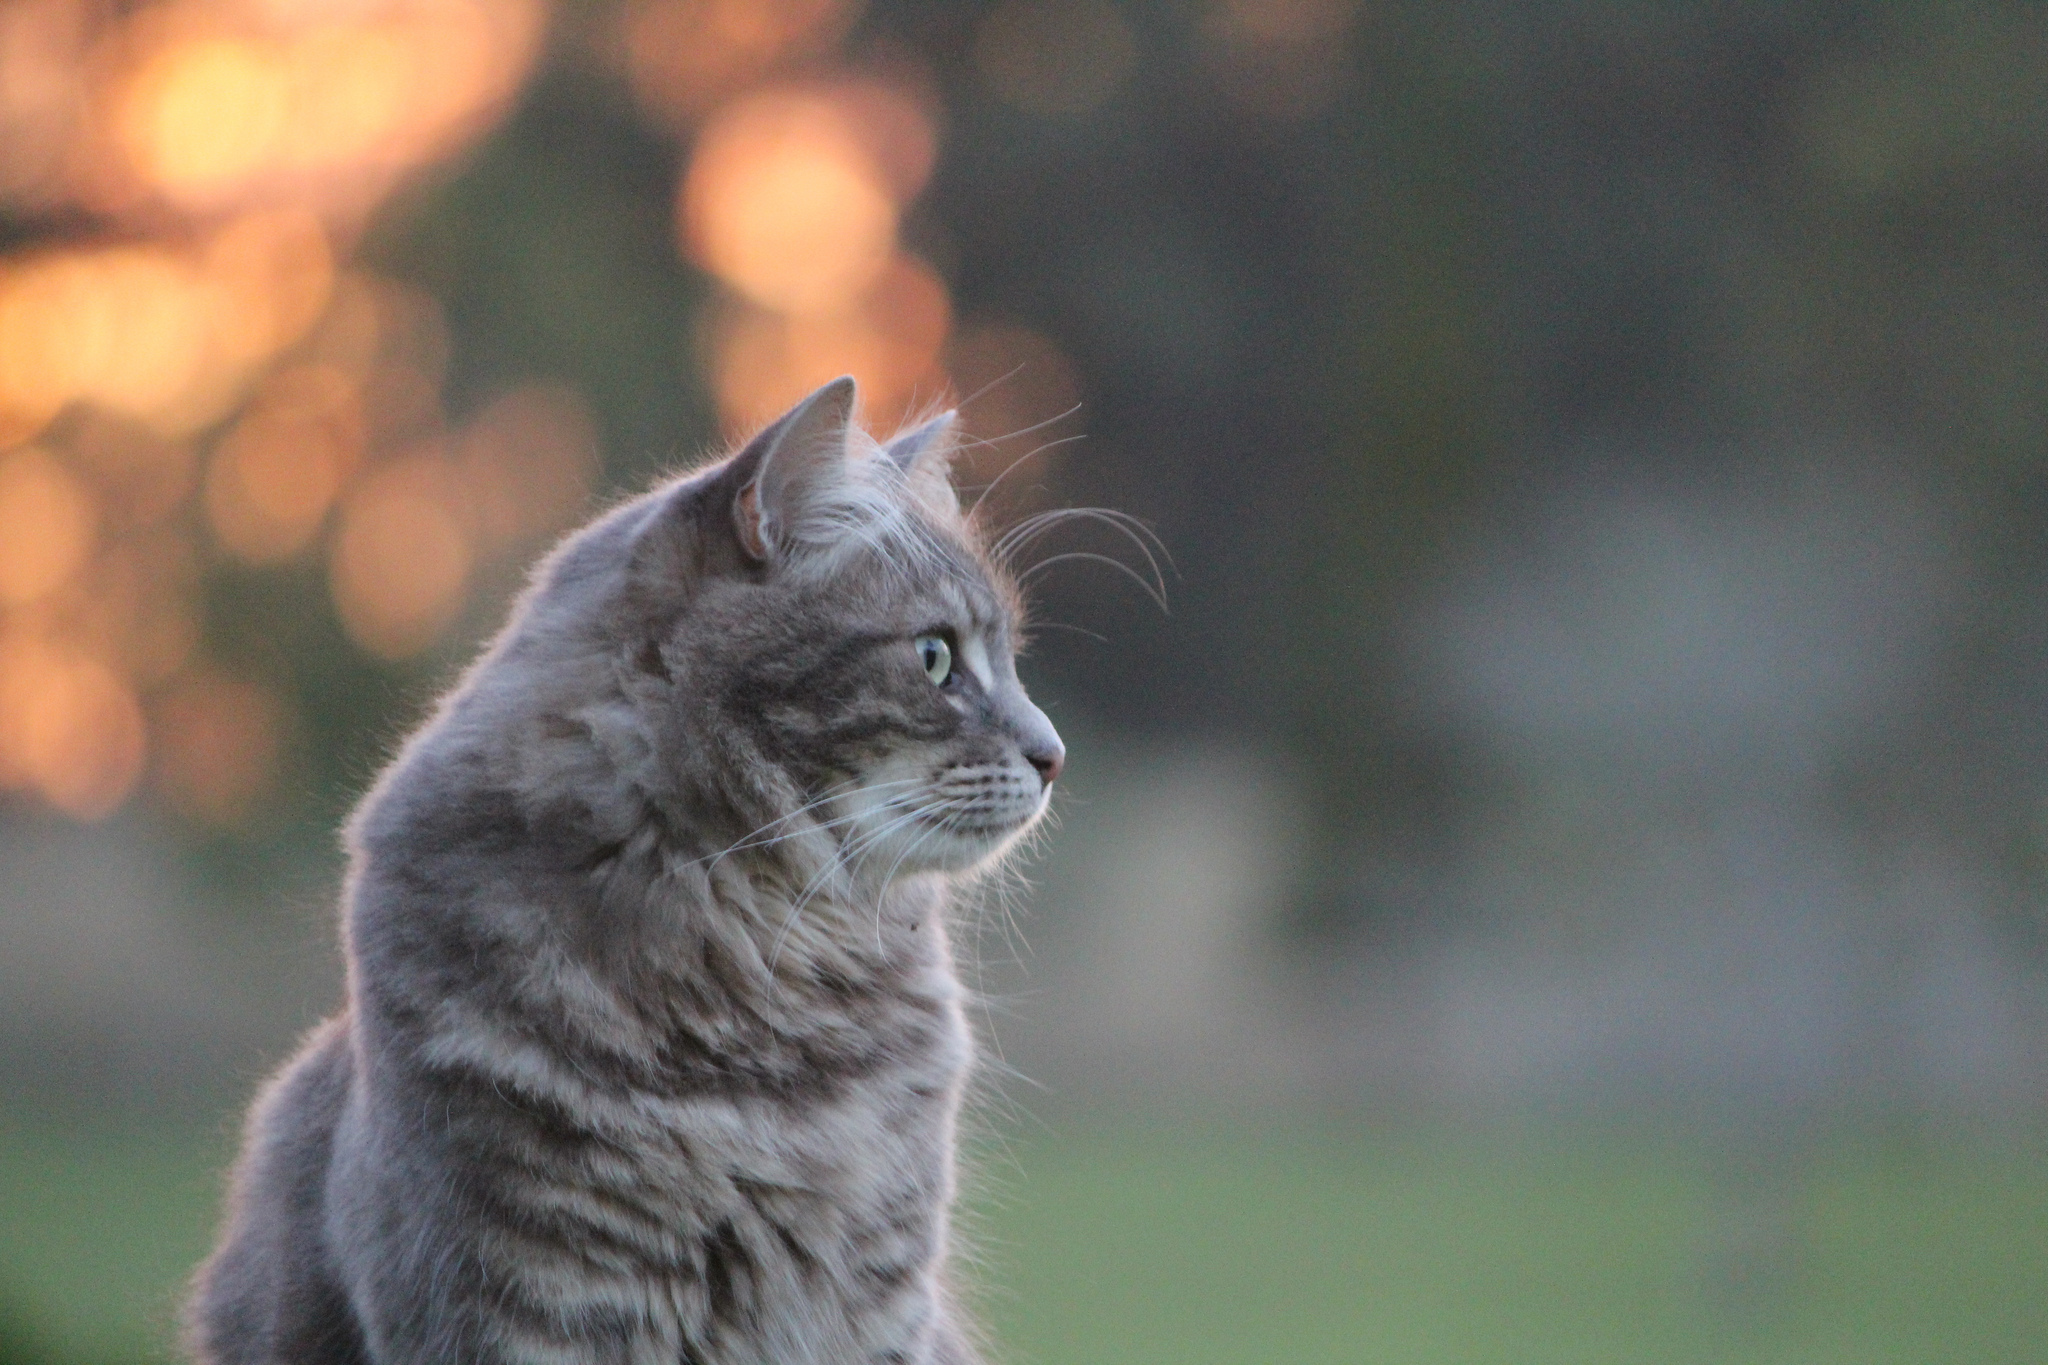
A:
(971, 851)
(949, 847)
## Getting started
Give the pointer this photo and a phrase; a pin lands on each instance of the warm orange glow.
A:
(1012, 382)
(394, 340)
(47, 518)
(356, 96)
(222, 151)
(683, 55)
(890, 341)
(152, 333)
(223, 105)
(70, 728)
(126, 327)
(202, 116)
(400, 91)
(273, 274)
(152, 319)
(401, 558)
(142, 476)
(792, 195)
(528, 461)
(218, 741)
(348, 334)
(472, 56)
(1061, 57)
(276, 474)
(42, 93)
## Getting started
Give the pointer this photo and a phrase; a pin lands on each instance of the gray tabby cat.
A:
(653, 1046)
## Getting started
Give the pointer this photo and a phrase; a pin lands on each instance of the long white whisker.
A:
(1023, 459)
(830, 794)
(845, 860)
(940, 826)
(1157, 596)
(1027, 532)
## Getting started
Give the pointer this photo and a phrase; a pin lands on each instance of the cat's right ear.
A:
(791, 467)
(730, 521)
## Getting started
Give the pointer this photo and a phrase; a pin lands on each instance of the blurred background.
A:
(1566, 880)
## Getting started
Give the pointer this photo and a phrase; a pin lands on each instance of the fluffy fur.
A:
(653, 1046)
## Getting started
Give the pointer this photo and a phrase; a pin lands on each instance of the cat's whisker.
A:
(1037, 625)
(845, 860)
(890, 876)
(974, 509)
(831, 794)
(825, 797)
(836, 792)
(1157, 595)
(1027, 532)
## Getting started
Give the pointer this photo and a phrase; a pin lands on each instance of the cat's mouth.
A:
(986, 829)
(951, 821)
(957, 842)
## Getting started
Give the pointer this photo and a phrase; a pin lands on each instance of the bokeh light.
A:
(137, 606)
(682, 56)
(402, 556)
(219, 740)
(792, 195)
(70, 727)
(1280, 59)
(207, 335)
(202, 117)
(890, 339)
(42, 92)
(141, 475)
(226, 104)
(47, 518)
(157, 333)
(275, 475)
(274, 272)
(792, 199)
(528, 461)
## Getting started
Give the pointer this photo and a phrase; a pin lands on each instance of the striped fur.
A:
(653, 1047)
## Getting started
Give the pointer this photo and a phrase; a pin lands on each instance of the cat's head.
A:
(808, 639)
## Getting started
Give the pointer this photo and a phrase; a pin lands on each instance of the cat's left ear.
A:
(925, 455)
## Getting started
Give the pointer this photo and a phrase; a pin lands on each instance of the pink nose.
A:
(1049, 762)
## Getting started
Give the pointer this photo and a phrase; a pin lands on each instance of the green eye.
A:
(936, 656)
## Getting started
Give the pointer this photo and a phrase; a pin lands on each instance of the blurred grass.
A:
(98, 1230)
(1133, 1246)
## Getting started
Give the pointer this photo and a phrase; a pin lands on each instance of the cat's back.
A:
(269, 1293)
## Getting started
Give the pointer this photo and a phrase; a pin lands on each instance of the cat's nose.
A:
(1048, 761)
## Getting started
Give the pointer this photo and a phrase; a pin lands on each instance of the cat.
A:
(653, 1048)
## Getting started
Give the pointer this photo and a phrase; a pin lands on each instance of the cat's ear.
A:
(795, 465)
(929, 442)
(925, 455)
(727, 520)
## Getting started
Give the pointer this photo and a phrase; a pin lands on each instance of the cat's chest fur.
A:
(726, 1125)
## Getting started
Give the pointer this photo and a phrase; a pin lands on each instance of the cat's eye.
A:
(936, 656)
